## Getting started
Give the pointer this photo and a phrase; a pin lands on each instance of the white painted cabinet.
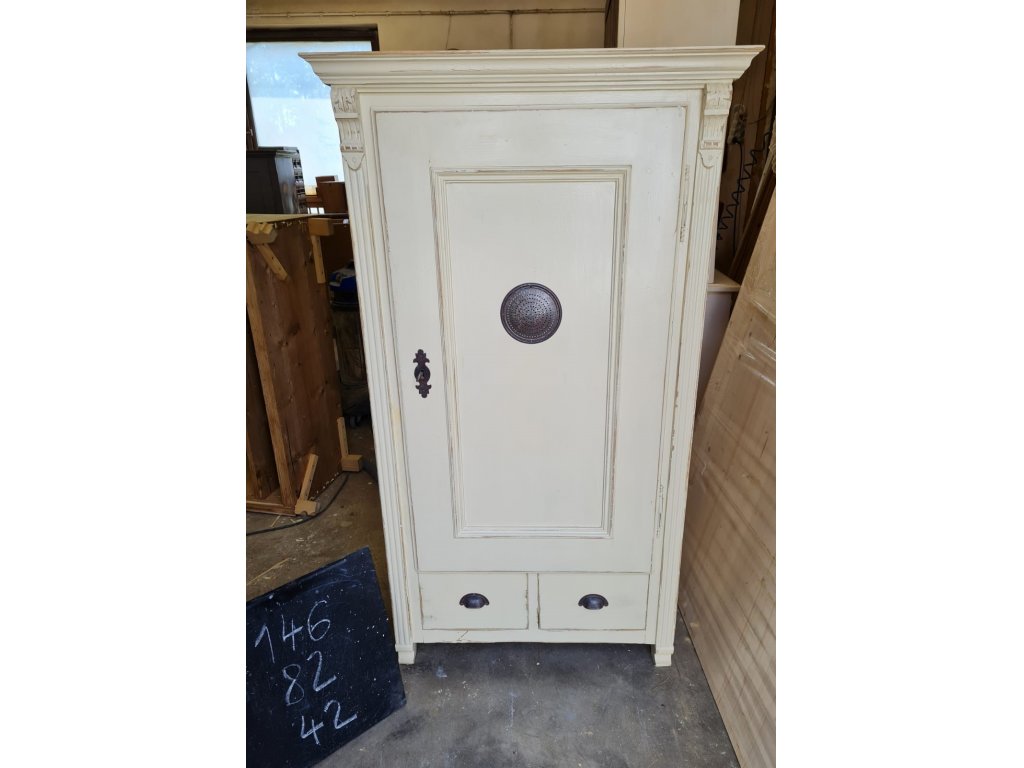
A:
(533, 232)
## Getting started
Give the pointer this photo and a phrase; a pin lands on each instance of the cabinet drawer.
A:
(622, 598)
(447, 600)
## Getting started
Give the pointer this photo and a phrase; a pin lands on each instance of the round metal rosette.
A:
(531, 313)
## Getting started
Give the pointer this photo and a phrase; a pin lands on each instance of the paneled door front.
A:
(531, 253)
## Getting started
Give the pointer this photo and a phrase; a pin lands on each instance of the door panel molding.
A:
(441, 180)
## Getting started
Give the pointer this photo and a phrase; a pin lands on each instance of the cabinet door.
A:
(532, 255)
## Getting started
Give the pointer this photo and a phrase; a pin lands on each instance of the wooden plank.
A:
(332, 195)
(321, 226)
(723, 284)
(304, 506)
(273, 218)
(285, 475)
(307, 477)
(293, 340)
(260, 471)
(350, 462)
(314, 358)
(318, 259)
(269, 507)
(257, 232)
(272, 261)
(727, 580)
(272, 506)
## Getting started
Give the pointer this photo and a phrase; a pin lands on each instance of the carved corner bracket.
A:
(716, 114)
(346, 111)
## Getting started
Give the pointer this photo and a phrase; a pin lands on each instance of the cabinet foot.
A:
(406, 653)
(662, 655)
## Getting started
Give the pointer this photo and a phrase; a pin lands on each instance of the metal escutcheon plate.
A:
(531, 313)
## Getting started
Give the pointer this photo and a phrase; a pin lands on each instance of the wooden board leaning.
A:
(293, 398)
(727, 579)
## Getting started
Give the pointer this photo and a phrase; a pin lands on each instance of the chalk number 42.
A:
(316, 726)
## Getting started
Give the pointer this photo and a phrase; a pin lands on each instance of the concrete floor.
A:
(507, 704)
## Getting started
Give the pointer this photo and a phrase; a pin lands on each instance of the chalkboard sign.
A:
(321, 666)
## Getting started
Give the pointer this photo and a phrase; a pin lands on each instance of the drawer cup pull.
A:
(593, 602)
(474, 600)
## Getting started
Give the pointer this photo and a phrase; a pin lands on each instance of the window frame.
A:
(298, 35)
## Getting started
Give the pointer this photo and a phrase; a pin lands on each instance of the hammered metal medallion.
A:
(531, 313)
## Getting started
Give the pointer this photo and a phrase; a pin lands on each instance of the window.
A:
(290, 106)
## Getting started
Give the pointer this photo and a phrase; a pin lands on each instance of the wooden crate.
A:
(727, 579)
(295, 377)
